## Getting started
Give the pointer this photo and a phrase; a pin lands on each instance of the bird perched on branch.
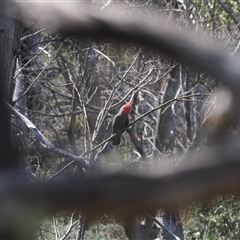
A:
(120, 122)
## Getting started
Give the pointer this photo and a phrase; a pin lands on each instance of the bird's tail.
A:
(116, 139)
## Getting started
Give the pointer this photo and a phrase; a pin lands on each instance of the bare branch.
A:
(230, 13)
(45, 142)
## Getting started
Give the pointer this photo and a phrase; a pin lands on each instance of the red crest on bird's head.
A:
(126, 108)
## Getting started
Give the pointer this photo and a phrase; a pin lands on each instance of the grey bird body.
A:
(120, 122)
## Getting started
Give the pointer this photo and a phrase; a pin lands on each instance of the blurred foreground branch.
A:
(78, 20)
(213, 172)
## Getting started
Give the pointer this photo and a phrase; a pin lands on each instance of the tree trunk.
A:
(141, 228)
(9, 44)
(165, 120)
(11, 225)
(171, 225)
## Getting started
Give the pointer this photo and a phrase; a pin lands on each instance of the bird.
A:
(120, 122)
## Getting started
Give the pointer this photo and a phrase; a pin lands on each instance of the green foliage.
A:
(105, 231)
(56, 227)
(218, 219)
